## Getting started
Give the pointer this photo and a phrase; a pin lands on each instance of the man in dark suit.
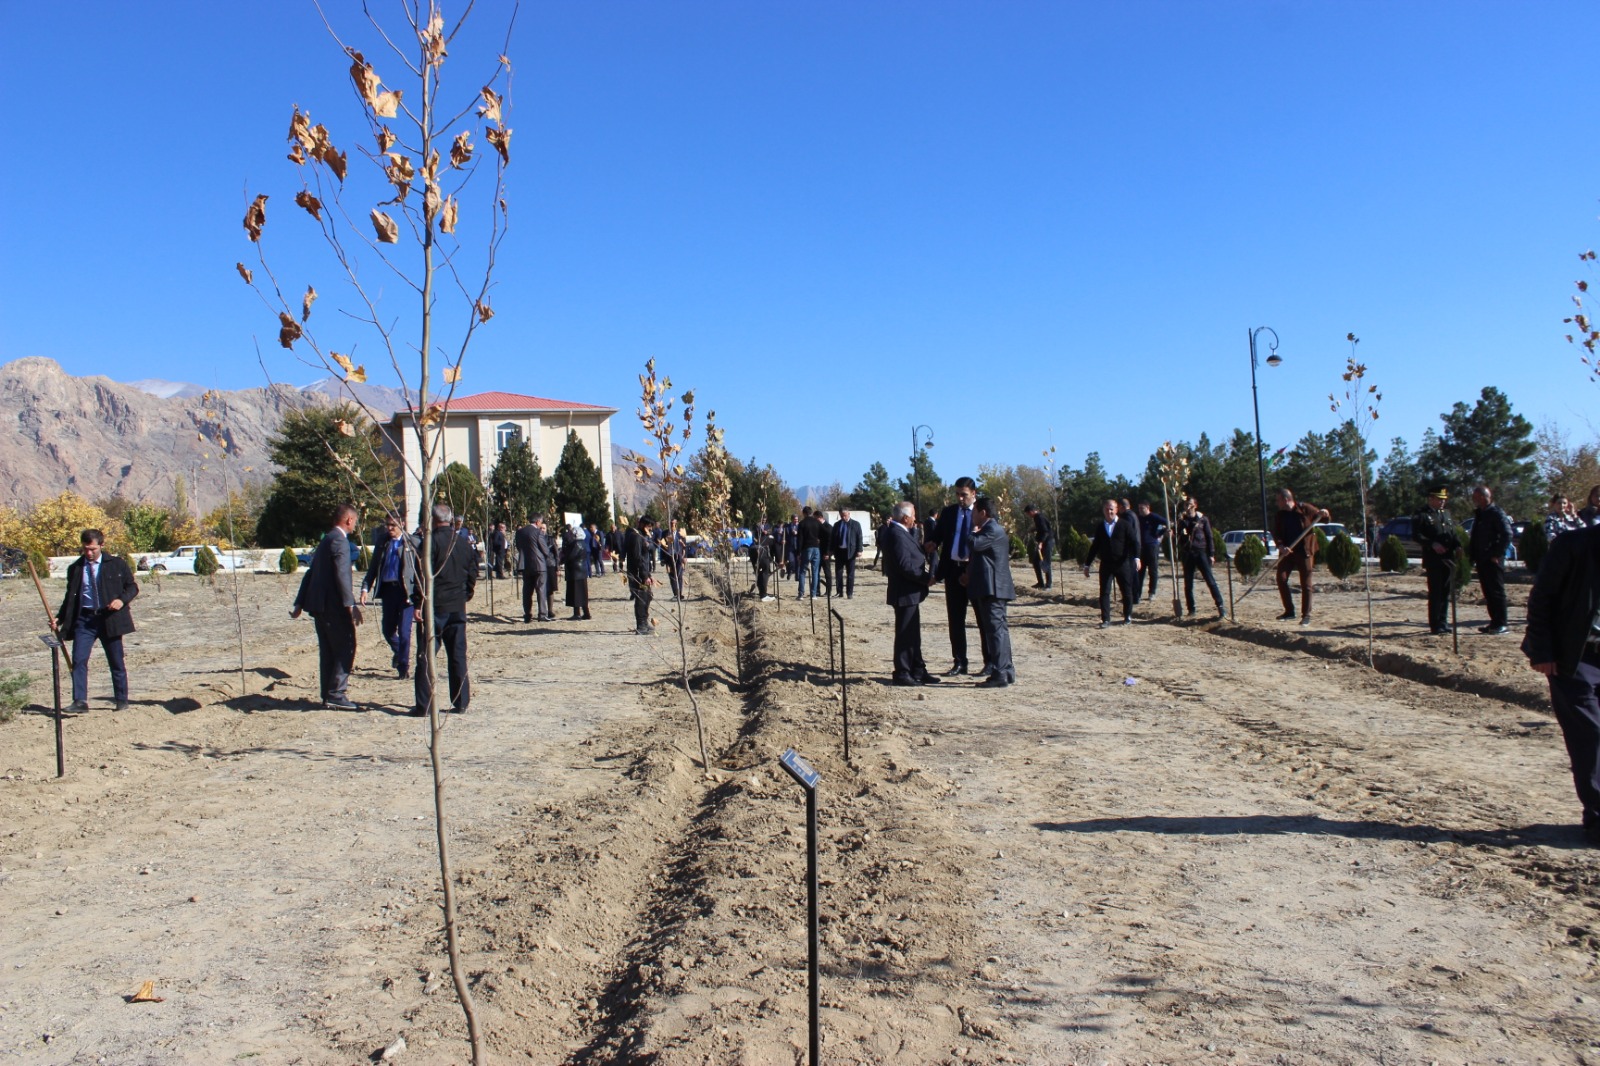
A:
(812, 538)
(953, 534)
(1044, 548)
(455, 579)
(393, 574)
(325, 595)
(497, 549)
(1563, 643)
(638, 553)
(846, 539)
(1487, 544)
(989, 585)
(905, 565)
(1116, 545)
(537, 562)
(99, 589)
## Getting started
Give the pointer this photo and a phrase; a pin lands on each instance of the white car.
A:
(1234, 539)
(1333, 529)
(182, 560)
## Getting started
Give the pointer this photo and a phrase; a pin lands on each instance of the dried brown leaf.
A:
(244, 272)
(306, 302)
(345, 428)
(388, 232)
(310, 203)
(357, 376)
(364, 77)
(300, 135)
(430, 199)
(290, 331)
(461, 150)
(343, 361)
(387, 105)
(490, 111)
(337, 162)
(452, 374)
(501, 139)
(433, 38)
(146, 994)
(485, 312)
(400, 173)
(386, 139)
(255, 217)
(434, 414)
(447, 217)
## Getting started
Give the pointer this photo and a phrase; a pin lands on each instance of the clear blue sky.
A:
(838, 220)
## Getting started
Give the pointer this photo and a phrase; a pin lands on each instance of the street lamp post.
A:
(926, 443)
(1273, 359)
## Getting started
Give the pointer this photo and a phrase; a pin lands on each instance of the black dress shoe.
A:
(929, 679)
(122, 705)
(527, 619)
(1105, 624)
(994, 681)
(905, 682)
(339, 703)
(80, 705)
(1494, 631)
(1287, 616)
(956, 670)
(1127, 620)
(987, 671)
(1442, 631)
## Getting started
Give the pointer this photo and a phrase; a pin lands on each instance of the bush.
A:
(13, 693)
(1074, 547)
(288, 561)
(1463, 569)
(1533, 546)
(1322, 538)
(40, 561)
(1392, 556)
(205, 562)
(1247, 560)
(1219, 549)
(1342, 557)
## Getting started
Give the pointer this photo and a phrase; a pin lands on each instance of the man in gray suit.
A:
(325, 594)
(846, 544)
(988, 583)
(538, 561)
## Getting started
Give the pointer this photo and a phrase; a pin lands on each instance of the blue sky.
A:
(1013, 222)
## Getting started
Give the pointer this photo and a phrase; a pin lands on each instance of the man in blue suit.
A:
(988, 584)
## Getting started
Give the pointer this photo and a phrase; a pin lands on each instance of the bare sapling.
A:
(1174, 472)
(1359, 402)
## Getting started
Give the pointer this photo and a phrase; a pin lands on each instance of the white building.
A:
(477, 428)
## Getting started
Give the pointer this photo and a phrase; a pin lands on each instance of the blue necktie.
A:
(962, 551)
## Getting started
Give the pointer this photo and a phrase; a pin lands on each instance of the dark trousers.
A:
(996, 632)
(844, 574)
(84, 635)
(1576, 701)
(763, 576)
(1492, 579)
(397, 618)
(908, 663)
(1123, 575)
(1441, 576)
(497, 562)
(1287, 564)
(955, 610)
(1151, 554)
(1201, 563)
(536, 587)
(450, 633)
(336, 652)
(1043, 559)
(641, 596)
(597, 565)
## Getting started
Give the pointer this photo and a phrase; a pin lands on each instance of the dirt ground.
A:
(1193, 842)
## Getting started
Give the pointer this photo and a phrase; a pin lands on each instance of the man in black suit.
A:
(906, 567)
(953, 534)
(325, 594)
(393, 576)
(1116, 545)
(497, 549)
(989, 585)
(846, 539)
(99, 589)
(1044, 549)
(1563, 643)
(537, 563)
(638, 551)
(455, 579)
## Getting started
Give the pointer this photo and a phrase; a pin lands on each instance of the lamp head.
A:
(1274, 359)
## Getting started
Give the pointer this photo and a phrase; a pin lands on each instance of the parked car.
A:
(1233, 540)
(181, 561)
(1401, 528)
(1333, 529)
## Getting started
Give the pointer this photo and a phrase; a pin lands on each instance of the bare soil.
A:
(1173, 842)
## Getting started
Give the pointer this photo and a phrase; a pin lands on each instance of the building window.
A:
(505, 435)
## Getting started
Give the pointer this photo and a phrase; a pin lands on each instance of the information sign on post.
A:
(807, 777)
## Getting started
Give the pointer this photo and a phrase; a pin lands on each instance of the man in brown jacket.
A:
(1292, 527)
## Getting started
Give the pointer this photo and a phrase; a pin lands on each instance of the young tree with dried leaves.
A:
(407, 218)
(1360, 404)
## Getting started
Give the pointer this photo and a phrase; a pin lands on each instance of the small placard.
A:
(50, 640)
(800, 770)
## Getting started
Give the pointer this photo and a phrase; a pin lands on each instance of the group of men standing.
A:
(821, 556)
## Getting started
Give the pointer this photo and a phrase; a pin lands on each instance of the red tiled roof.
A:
(516, 401)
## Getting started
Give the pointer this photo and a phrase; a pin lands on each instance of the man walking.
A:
(1195, 541)
(1044, 548)
(1435, 530)
(906, 568)
(1487, 544)
(1297, 550)
(811, 537)
(455, 578)
(953, 534)
(638, 550)
(325, 595)
(95, 609)
(393, 573)
(1116, 544)
(1563, 643)
(988, 583)
(846, 549)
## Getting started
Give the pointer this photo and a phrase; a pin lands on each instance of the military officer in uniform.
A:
(1436, 530)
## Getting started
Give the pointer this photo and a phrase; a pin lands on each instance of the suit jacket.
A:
(905, 566)
(326, 586)
(989, 572)
(1490, 536)
(455, 571)
(637, 552)
(408, 564)
(114, 582)
(944, 532)
(1118, 549)
(1565, 596)
(535, 550)
(852, 539)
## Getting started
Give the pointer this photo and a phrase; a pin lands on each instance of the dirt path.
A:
(1256, 852)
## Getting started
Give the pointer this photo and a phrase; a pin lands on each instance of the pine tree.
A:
(874, 494)
(518, 490)
(1486, 444)
(577, 485)
(329, 456)
(459, 487)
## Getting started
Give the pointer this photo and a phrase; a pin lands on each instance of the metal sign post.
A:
(813, 602)
(53, 642)
(1455, 634)
(738, 642)
(1231, 616)
(843, 679)
(808, 778)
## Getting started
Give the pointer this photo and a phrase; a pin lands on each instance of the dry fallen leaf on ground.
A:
(146, 994)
